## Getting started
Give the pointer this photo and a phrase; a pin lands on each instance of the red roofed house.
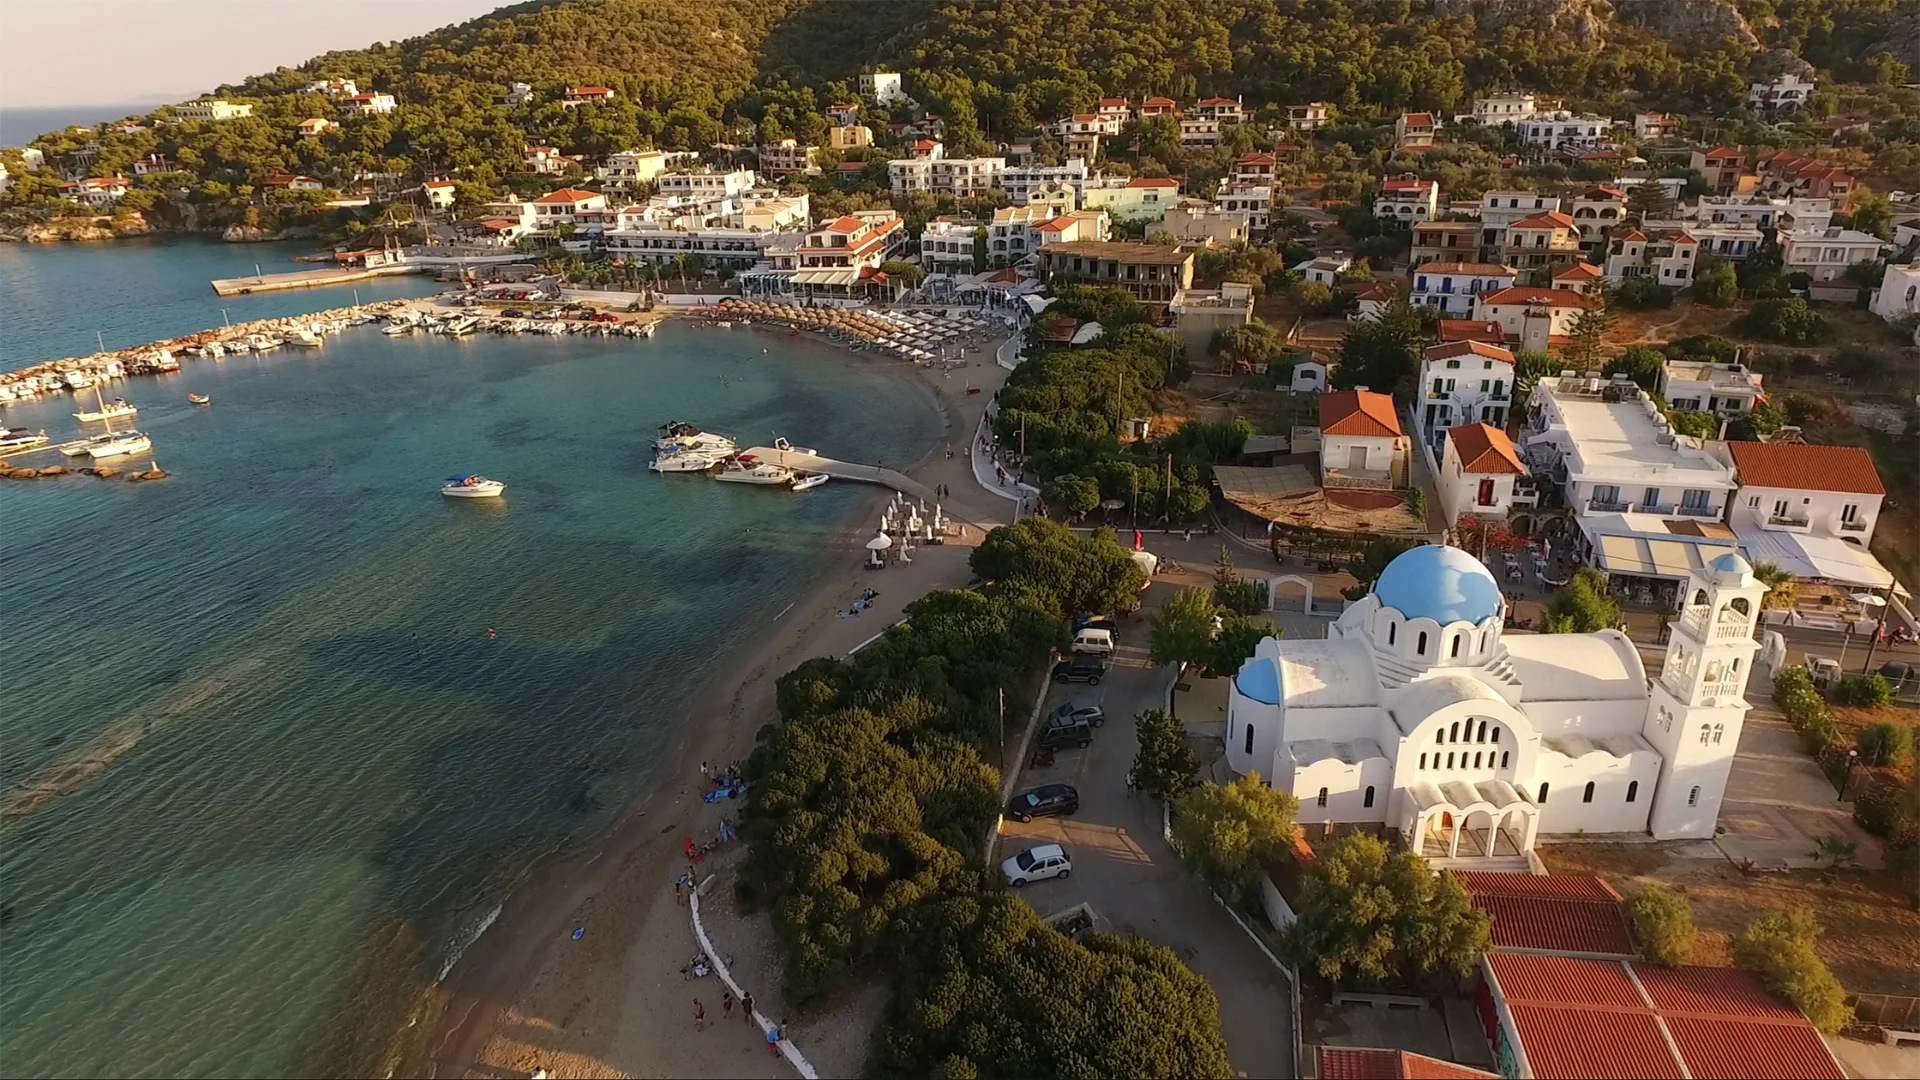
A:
(1721, 166)
(559, 207)
(1581, 277)
(841, 257)
(1543, 241)
(1668, 258)
(1478, 467)
(545, 160)
(1159, 106)
(1254, 169)
(439, 193)
(1535, 319)
(1566, 1018)
(1462, 382)
(1413, 131)
(1793, 176)
(369, 104)
(1118, 109)
(98, 192)
(1361, 444)
(842, 115)
(581, 95)
(1810, 507)
(316, 127)
(1354, 1063)
(1455, 287)
(1407, 200)
(1472, 330)
(292, 182)
(1371, 299)
(1227, 110)
(1132, 199)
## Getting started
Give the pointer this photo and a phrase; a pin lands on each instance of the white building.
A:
(1227, 110)
(1899, 293)
(1196, 221)
(1456, 287)
(98, 192)
(6, 178)
(1361, 444)
(1667, 258)
(1565, 129)
(1139, 199)
(1253, 200)
(1478, 467)
(1414, 131)
(1730, 242)
(1010, 235)
(545, 160)
(518, 93)
(1074, 226)
(439, 193)
(1309, 117)
(1533, 318)
(577, 96)
(785, 157)
(1462, 382)
(1651, 126)
(1199, 132)
(1810, 509)
(560, 207)
(1407, 200)
(1826, 255)
(1021, 181)
(1503, 109)
(707, 183)
(331, 87)
(1596, 210)
(627, 170)
(717, 245)
(1786, 93)
(1258, 168)
(1501, 209)
(960, 177)
(946, 244)
(836, 259)
(210, 109)
(1417, 713)
(1087, 124)
(1726, 390)
(882, 87)
(1326, 269)
(1763, 212)
(368, 104)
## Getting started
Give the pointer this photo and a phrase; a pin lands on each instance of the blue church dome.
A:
(1259, 680)
(1440, 583)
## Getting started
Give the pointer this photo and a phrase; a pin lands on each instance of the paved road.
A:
(1123, 868)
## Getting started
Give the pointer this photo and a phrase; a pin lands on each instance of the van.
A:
(1094, 641)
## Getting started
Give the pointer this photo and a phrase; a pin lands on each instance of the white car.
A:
(1037, 864)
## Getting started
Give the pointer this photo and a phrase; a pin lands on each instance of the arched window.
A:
(1453, 733)
(1706, 734)
(1718, 731)
(1455, 651)
(1476, 759)
(1391, 628)
(1368, 803)
(1740, 605)
(1633, 790)
(1449, 759)
(1483, 640)
(1423, 761)
(1496, 735)
(1699, 597)
(1249, 739)
(1420, 645)
(1503, 758)
(1713, 671)
(1587, 795)
(1483, 732)
(1693, 797)
(1543, 794)
(1322, 800)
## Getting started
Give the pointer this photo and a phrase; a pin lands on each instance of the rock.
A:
(151, 474)
(54, 470)
(104, 472)
(54, 232)
(131, 223)
(244, 234)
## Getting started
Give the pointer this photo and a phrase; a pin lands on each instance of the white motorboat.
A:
(783, 445)
(679, 436)
(105, 411)
(262, 342)
(14, 439)
(77, 380)
(681, 459)
(461, 327)
(304, 338)
(647, 330)
(743, 469)
(401, 324)
(163, 360)
(472, 487)
(119, 444)
(808, 481)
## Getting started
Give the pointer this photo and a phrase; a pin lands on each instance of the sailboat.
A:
(105, 411)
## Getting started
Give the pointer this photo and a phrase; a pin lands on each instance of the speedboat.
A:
(679, 436)
(304, 338)
(199, 399)
(783, 445)
(119, 444)
(461, 327)
(472, 487)
(401, 324)
(16, 439)
(78, 380)
(743, 469)
(808, 481)
(683, 459)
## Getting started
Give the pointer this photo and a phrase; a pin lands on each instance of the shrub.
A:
(1642, 293)
(1700, 425)
(1662, 924)
(1779, 948)
(1792, 321)
(1717, 286)
(1886, 744)
(1864, 692)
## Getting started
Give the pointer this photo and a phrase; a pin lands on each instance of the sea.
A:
(20, 126)
(309, 721)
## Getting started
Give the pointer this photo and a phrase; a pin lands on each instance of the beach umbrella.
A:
(880, 543)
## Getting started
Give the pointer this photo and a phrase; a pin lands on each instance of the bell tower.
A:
(1697, 705)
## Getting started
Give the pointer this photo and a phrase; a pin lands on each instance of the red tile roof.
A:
(1552, 219)
(1518, 923)
(1580, 271)
(1577, 1044)
(1472, 330)
(580, 91)
(1526, 295)
(1559, 914)
(1216, 101)
(1358, 412)
(1153, 182)
(1106, 101)
(1723, 153)
(1349, 1063)
(1713, 1047)
(1806, 467)
(1469, 348)
(567, 195)
(1419, 118)
(1254, 159)
(1630, 235)
(1480, 269)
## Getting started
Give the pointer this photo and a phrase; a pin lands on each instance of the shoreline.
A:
(525, 968)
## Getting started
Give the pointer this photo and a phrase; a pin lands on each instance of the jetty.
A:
(843, 470)
(305, 279)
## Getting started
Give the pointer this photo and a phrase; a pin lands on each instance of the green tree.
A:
(1864, 692)
(1367, 919)
(1662, 924)
(1581, 606)
(1234, 593)
(906, 273)
(1164, 765)
(1648, 200)
(1642, 294)
(1235, 642)
(1886, 743)
(1246, 346)
(1181, 630)
(1700, 425)
(1312, 297)
(1779, 948)
(1228, 835)
(1766, 417)
(1717, 286)
(1872, 214)
(1782, 586)
(1077, 495)
(1382, 354)
(1064, 573)
(1789, 320)
(1639, 363)
(1583, 345)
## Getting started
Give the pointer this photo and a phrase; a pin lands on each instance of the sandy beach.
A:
(614, 1002)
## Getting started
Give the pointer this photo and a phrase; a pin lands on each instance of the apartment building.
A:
(1783, 94)
(1444, 241)
(629, 170)
(1547, 241)
(1131, 199)
(211, 109)
(1199, 132)
(1456, 287)
(1309, 117)
(1407, 200)
(707, 183)
(1597, 210)
(1666, 257)
(1497, 109)
(1462, 382)
(786, 157)
(947, 244)
(1562, 129)
(1021, 181)
(1253, 200)
(1151, 273)
(1499, 209)
(1726, 390)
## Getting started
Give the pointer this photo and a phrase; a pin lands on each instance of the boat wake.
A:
(464, 942)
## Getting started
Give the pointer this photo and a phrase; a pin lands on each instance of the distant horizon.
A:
(160, 51)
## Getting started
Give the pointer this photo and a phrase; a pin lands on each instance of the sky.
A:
(99, 52)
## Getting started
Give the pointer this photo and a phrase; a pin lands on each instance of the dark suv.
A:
(1043, 801)
(1071, 711)
(1070, 733)
(1086, 669)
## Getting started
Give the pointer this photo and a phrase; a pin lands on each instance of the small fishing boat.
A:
(20, 439)
(119, 444)
(472, 487)
(104, 411)
(199, 399)
(808, 481)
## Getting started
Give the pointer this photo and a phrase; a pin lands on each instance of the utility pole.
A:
(1003, 729)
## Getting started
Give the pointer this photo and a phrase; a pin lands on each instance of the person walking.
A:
(773, 1039)
(699, 1015)
(726, 1004)
(746, 1006)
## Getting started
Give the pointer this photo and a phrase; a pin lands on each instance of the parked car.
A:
(1072, 733)
(1044, 801)
(1094, 642)
(514, 313)
(1086, 669)
(1037, 864)
(1077, 710)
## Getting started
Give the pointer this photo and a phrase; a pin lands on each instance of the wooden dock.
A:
(844, 470)
(304, 279)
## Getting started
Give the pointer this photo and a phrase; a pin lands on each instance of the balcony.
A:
(1603, 506)
(1697, 511)
(1857, 527)
(1793, 522)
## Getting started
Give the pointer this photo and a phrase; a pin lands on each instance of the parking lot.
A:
(1123, 869)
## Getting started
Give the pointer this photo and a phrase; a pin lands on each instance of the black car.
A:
(514, 313)
(1043, 801)
(1086, 669)
(1072, 711)
(1072, 733)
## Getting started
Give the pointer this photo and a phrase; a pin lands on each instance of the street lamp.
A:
(1870, 601)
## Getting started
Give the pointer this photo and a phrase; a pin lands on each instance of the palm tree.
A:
(1782, 587)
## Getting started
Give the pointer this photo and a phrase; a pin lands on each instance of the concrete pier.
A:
(304, 279)
(844, 470)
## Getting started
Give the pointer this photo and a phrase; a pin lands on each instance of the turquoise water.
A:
(297, 774)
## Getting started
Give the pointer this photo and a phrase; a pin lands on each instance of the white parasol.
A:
(880, 543)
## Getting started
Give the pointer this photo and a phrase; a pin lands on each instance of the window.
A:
(1483, 732)
(1483, 640)
(1587, 795)
(1455, 651)
(1706, 734)
(1476, 759)
(1322, 799)
(1543, 795)
(1718, 731)
(1391, 627)
(1249, 748)
(1368, 803)
(1693, 797)
(1633, 790)
(1453, 733)
(1421, 645)
(1423, 761)
(1449, 759)
(1850, 513)
(1651, 498)
(1496, 735)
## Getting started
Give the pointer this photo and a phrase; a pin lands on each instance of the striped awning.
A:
(826, 277)
(1644, 556)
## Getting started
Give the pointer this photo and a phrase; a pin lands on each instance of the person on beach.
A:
(706, 771)
(746, 1006)
(726, 1004)
(773, 1039)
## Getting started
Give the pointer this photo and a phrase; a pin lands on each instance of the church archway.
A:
(1290, 592)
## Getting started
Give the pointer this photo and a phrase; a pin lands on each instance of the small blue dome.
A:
(1259, 679)
(1440, 583)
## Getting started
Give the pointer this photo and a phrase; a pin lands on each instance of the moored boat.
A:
(119, 444)
(744, 469)
(472, 486)
(808, 481)
(199, 399)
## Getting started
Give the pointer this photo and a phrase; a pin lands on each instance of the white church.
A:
(1417, 713)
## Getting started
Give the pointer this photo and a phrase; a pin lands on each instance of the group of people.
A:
(863, 603)
(746, 1013)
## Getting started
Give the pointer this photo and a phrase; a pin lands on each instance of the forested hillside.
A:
(689, 75)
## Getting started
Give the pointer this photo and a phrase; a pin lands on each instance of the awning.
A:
(1825, 558)
(1644, 556)
(1038, 304)
(837, 278)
